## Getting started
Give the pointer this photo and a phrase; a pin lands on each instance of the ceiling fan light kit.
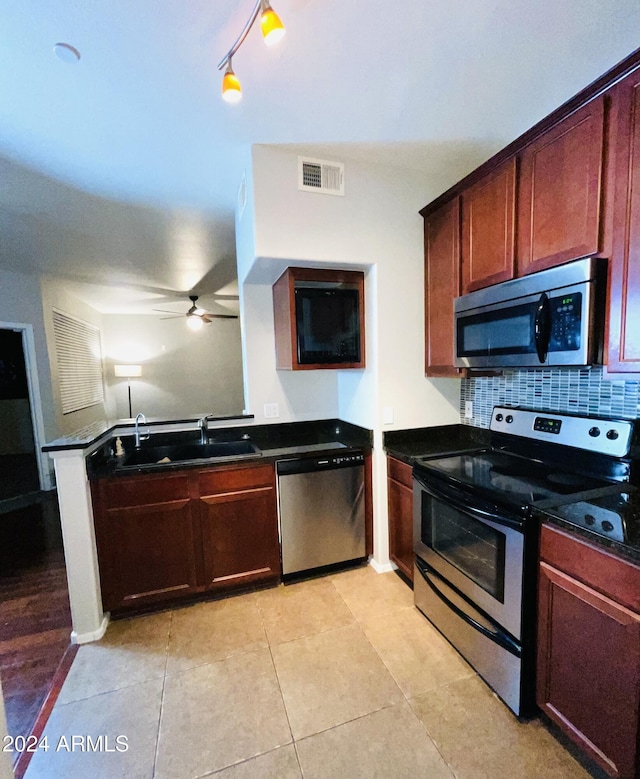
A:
(272, 30)
(196, 316)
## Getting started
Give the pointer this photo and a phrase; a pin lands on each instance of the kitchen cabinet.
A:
(239, 525)
(488, 228)
(285, 320)
(589, 649)
(172, 534)
(145, 537)
(442, 286)
(623, 335)
(400, 502)
(560, 191)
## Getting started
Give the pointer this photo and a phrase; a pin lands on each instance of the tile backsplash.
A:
(576, 390)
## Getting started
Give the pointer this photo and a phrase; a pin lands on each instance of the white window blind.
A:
(79, 357)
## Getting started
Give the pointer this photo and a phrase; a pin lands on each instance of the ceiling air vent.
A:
(320, 176)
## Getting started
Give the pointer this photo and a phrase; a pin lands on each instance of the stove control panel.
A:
(604, 436)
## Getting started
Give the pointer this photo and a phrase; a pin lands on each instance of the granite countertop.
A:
(409, 445)
(621, 511)
(273, 441)
(86, 436)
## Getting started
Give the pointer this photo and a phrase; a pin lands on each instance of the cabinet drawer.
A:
(219, 480)
(400, 471)
(611, 575)
(143, 490)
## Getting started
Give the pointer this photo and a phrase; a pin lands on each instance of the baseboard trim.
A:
(94, 635)
(382, 567)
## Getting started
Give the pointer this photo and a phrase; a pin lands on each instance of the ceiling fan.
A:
(196, 316)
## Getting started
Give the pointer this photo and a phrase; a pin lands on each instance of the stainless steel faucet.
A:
(140, 436)
(202, 424)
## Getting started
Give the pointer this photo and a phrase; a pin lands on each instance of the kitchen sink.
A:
(152, 455)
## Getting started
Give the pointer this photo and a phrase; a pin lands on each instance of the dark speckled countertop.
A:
(619, 513)
(408, 445)
(273, 441)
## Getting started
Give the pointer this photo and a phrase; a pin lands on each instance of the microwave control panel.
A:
(566, 322)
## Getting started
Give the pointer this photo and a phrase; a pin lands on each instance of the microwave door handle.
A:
(500, 638)
(542, 327)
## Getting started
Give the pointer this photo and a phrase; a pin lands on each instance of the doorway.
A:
(19, 474)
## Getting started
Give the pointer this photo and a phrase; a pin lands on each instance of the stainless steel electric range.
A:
(476, 541)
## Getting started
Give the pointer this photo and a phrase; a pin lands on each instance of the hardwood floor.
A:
(35, 619)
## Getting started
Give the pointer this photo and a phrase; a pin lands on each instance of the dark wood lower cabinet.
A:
(239, 526)
(400, 501)
(168, 535)
(589, 649)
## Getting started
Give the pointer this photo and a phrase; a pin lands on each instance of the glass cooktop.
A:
(509, 478)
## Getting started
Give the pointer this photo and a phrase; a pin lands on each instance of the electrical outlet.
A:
(468, 409)
(271, 410)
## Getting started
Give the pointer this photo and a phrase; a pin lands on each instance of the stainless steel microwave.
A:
(553, 317)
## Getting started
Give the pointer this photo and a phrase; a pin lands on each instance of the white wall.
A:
(375, 227)
(54, 295)
(184, 372)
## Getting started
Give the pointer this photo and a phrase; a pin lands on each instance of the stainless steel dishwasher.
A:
(321, 511)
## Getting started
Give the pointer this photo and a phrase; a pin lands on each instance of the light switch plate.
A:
(387, 415)
(468, 409)
(271, 410)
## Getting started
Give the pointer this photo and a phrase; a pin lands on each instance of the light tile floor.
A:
(333, 677)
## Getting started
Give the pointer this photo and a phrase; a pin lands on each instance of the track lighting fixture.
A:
(272, 30)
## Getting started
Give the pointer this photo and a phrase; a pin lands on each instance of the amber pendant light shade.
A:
(231, 89)
(271, 25)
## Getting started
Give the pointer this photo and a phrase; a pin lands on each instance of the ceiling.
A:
(120, 172)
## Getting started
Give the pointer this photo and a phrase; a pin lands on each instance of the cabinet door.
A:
(488, 216)
(589, 669)
(150, 555)
(623, 342)
(145, 540)
(559, 193)
(239, 528)
(400, 500)
(442, 286)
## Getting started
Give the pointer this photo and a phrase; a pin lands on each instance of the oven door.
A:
(473, 548)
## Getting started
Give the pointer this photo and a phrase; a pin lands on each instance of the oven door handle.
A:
(498, 636)
(457, 500)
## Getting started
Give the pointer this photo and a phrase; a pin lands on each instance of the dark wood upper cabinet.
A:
(588, 674)
(442, 285)
(285, 320)
(488, 236)
(623, 336)
(560, 191)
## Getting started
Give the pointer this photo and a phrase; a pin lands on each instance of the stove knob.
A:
(499, 417)
(594, 432)
(509, 419)
(589, 519)
(612, 434)
(607, 526)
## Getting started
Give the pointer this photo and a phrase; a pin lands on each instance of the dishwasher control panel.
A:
(351, 459)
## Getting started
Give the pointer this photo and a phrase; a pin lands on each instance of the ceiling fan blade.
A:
(209, 317)
(173, 316)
